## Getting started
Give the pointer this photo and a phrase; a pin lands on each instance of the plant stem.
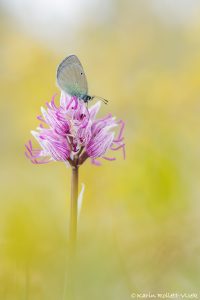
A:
(69, 285)
(73, 211)
(68, 292)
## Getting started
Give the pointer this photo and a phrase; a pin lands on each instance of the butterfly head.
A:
(87, 98)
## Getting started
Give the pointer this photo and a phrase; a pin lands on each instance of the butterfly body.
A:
(86, 98)
(71, 79)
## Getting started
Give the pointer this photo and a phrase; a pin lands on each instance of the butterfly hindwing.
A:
(71, 77)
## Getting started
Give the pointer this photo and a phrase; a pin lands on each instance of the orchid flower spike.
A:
(71, 133)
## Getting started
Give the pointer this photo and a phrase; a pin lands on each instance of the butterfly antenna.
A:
(102, 99)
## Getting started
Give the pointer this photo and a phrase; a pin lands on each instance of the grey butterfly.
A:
(71, 79)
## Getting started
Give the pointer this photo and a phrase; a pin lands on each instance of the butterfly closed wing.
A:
(71, 79)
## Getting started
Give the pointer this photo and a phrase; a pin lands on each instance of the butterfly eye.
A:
(81, 73)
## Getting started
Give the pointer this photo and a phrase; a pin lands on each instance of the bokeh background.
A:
(139, 225)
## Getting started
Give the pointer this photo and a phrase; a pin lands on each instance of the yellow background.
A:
(139, 224)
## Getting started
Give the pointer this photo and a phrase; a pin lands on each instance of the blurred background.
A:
(139, 225)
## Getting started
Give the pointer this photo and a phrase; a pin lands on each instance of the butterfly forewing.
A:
(71, 77)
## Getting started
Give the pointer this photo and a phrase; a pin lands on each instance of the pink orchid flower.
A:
(71, 133)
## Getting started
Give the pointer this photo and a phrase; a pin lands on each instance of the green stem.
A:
(73, 211)
(68, 292)
(72, 234)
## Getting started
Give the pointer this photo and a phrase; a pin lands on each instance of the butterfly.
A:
(71, 79)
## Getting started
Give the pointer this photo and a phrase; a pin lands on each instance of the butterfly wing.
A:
(71, 77)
